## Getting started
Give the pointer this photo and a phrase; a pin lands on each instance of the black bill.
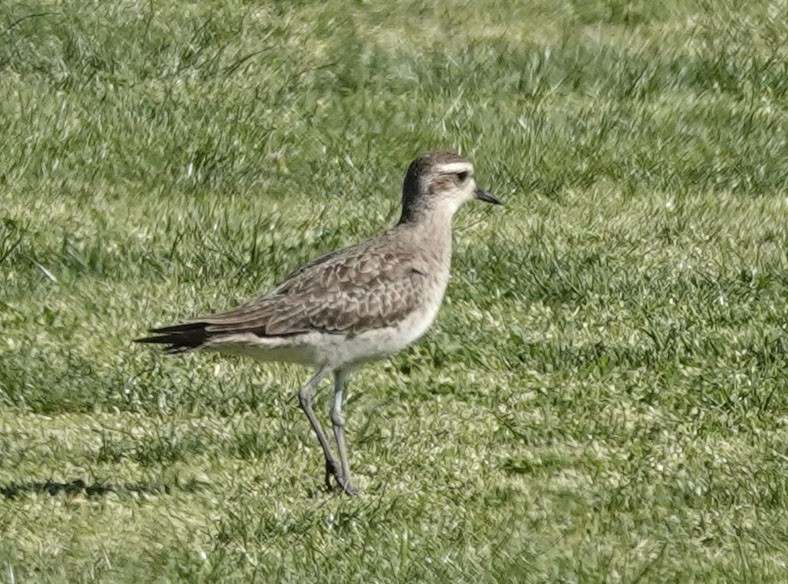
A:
(483, 195)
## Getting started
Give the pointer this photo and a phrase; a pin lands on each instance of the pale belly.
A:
(378, 343)
(335, 350)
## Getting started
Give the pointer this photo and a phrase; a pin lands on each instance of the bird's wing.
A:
(360, 288)
(344, 292)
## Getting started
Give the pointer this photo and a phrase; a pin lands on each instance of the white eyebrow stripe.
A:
(454, 167)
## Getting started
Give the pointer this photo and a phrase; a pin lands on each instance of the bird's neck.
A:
(433, 230)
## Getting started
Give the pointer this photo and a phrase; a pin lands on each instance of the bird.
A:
(351, 306)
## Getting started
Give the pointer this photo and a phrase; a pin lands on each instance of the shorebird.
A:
(353, 305)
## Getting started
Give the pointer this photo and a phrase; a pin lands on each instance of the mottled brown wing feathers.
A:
(362, 287)
(340, 293)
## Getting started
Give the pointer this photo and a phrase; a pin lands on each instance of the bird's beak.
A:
(483, 195)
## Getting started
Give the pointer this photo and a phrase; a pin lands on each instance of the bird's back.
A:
(372, 289)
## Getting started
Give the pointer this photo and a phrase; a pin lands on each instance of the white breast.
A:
(378, 343)
(339, 350)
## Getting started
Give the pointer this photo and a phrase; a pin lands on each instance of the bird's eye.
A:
(462, 176)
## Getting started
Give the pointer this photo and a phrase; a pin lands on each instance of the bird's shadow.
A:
(15, 490)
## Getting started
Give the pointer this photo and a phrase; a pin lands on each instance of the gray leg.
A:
(305, 399)
(338, 421)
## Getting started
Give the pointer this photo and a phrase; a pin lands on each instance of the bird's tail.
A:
(179, 337)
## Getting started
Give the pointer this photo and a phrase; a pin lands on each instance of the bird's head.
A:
(439, 182)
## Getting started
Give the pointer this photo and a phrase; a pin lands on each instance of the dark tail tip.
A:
(180, 337)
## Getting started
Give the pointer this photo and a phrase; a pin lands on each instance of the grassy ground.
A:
(604, 395)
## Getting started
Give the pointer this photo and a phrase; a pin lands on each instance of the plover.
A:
(351, 306)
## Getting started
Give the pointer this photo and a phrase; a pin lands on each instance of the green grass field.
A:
(604, 397)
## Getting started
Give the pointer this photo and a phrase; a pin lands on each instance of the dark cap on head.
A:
(417, 179)
(433, 175)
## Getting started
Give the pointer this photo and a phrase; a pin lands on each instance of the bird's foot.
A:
(347, 487)
(332, 470)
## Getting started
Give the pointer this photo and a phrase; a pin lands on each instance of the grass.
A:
(603, 397)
